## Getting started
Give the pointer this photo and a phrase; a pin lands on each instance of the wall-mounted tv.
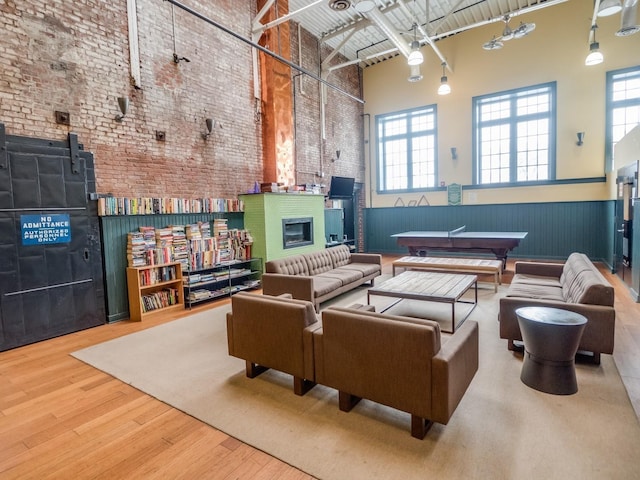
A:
(341, 187)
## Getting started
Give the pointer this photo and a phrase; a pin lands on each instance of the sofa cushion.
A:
(583, 283)
(323, 285)
(588, 288)
(364, 268)
(319, 262)
(345, 275)
(574, 266)
(543, 292)
(536, 280)
(294, 265)
(340, 255)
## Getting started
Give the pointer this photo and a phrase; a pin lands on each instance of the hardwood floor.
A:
(62, 419)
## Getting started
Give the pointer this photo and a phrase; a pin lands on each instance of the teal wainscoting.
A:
(333, 223)
(555, 229)
(114, 229)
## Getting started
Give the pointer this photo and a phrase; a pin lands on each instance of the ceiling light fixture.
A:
(629, 19)
(444, 88)
(507, 33)
(595, 56)
(415, 75)
(522, 30)
(493, 44)
(415, 57)
(609, 7)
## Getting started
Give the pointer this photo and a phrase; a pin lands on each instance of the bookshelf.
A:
(221, 280)
(153, 289)
(114, 206)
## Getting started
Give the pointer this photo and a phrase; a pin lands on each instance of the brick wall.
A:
(315, 150)
(74, 57)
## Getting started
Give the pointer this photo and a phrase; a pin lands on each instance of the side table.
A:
(551, 337)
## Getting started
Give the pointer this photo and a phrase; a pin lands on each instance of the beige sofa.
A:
(319, 276)
(397, 361)
(575, 285)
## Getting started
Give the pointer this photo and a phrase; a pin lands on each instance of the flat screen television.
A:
(341, 187)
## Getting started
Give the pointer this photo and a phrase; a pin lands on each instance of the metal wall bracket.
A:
(75, 153)
(3, 148)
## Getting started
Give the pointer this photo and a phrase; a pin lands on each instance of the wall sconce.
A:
(580, 138)
(454, 153)
(123, 104)
(209, 123)
(337, 156)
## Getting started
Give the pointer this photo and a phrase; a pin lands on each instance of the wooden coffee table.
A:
(473, 266)
(429, 287)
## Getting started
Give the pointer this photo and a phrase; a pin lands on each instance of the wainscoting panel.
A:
(114, 231)
(554, 229)
(334, 223)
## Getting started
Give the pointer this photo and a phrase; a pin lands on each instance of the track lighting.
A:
(123, 104)
(444, 88)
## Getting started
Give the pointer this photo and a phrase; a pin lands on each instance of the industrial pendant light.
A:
(609, 7)
(595, 56)
(415, 57)
(415, 75)
(444, 88)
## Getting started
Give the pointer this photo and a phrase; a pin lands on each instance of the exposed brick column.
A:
(277, 100)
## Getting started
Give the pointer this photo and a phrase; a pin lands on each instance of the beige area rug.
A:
(502, 429)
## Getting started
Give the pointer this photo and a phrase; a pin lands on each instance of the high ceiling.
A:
(370, 31)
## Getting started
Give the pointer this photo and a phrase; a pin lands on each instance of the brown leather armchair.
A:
(396, 361)
(273, 332)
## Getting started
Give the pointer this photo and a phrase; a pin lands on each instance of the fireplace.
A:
(297, 232)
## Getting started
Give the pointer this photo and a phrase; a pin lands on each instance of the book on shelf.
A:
(160, 205)
(192, 245)
(160, 299)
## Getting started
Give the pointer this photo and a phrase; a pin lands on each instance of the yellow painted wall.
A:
(554, 51)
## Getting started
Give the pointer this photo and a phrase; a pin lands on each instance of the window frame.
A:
(610, 105)
(381, 160)
(513, 123)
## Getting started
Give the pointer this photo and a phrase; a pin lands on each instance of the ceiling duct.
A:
(628, 19)
(364, 6)
(339, 5)
(389, 30)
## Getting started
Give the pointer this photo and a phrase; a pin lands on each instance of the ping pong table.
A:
(459, 240)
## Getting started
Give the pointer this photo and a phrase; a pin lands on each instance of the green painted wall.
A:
(263, 214)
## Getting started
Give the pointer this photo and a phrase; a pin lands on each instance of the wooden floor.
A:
(62, 419)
